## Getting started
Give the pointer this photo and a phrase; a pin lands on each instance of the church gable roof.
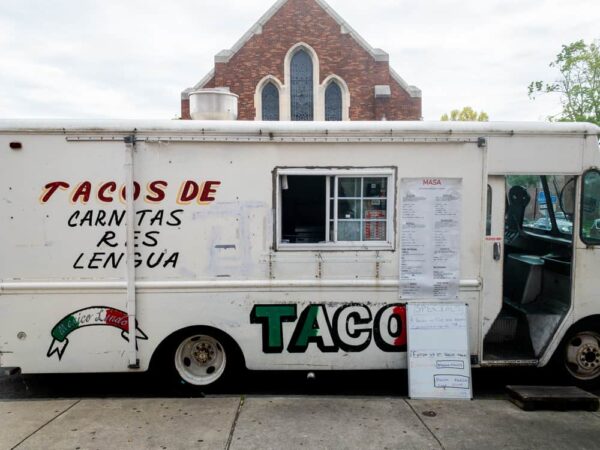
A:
(376, 53)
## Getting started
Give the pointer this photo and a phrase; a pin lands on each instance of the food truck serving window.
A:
(319, 208)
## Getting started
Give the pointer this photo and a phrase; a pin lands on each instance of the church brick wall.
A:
(338, 53)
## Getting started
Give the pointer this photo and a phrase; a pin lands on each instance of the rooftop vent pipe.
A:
(213, 104)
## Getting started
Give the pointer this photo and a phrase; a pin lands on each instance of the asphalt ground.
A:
(487, 383)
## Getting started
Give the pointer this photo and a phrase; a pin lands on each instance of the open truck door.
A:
(537, 269)
(493, 255)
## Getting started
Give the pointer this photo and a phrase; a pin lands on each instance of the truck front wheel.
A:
(581, 357)
(578, 357)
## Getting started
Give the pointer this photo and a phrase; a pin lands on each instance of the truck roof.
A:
(266, 129)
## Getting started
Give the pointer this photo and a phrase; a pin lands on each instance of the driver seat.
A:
(517, 200)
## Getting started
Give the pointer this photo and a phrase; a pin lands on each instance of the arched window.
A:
(301, 71)
(333, 102)
(270, 102)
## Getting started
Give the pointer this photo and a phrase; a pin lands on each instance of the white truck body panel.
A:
(211, 260)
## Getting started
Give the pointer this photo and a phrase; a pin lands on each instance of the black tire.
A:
(578, 357)
(198, 360)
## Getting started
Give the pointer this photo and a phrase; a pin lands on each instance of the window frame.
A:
(581, 203)
(360, 172)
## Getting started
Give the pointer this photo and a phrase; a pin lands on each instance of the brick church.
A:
(302, 61)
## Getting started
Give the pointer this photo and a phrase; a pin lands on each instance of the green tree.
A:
(578, 84)
(467, 114)
(523, 180)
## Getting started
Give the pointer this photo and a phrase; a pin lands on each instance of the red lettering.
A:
(111, 186)
(51, 188)
(136, 191)
(207, 189)
(83, 191)
(156, 191)
(188, 192)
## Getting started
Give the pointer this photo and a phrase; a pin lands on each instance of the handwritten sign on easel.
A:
(439, 364)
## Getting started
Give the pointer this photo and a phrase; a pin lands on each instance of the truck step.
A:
(10, 371)
(557, 398)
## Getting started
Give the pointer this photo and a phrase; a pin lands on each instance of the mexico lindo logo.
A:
(88, 317)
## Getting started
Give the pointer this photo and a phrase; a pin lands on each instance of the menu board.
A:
(439, 364)
(430, 238)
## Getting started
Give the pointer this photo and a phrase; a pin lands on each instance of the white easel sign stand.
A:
(439, 363)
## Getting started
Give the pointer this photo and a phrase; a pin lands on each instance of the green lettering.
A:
(271, 317)
(306, 328)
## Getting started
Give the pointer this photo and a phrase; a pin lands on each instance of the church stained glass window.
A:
(333, 102)
(270, 102)
(301, 86)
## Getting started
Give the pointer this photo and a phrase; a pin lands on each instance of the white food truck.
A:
(273, 245)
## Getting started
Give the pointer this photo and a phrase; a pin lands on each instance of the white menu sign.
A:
(430, 238)
(439, 364)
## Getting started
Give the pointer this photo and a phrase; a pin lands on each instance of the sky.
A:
(132, 58)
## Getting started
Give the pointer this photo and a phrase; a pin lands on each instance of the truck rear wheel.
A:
(199, 359)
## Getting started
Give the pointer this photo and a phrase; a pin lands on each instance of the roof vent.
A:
(213, 104)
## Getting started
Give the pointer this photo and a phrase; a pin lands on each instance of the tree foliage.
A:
(467, 114)
(523, 180)
(578, 84)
